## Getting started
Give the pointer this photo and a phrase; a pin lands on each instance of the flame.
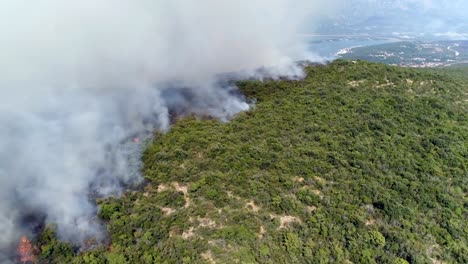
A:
(25, 251)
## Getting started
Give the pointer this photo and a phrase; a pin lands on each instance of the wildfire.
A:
(25, 251)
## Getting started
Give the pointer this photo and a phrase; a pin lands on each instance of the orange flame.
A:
(25, 251)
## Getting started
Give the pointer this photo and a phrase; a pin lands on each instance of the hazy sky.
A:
(421, 16)
(439, 6)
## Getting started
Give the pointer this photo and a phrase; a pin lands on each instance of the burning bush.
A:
(26, 251)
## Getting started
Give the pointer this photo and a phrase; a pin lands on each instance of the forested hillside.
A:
(357, 163)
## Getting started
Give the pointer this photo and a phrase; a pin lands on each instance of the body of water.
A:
(329, 46)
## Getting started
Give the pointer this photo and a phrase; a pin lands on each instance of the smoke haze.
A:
(81, 77)
(440, 18)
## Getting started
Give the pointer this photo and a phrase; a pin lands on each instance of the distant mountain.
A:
(386, 17)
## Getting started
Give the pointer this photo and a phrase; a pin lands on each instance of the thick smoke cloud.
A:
(78, 78)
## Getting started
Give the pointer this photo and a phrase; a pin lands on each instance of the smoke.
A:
(79, 78)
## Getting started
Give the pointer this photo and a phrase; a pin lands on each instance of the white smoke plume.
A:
(80, 77)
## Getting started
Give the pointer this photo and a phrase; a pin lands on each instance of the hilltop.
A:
(357, 163)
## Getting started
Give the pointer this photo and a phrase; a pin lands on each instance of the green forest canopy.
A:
(357, 163)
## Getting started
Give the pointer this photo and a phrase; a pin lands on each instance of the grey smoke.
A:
(78, 78)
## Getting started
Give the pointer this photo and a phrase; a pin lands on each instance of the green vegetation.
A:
(358, 163)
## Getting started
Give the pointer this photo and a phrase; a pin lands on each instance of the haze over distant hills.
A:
(421, 17)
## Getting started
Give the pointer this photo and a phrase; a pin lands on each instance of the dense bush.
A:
(359, 162)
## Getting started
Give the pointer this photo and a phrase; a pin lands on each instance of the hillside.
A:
(413, 54)
(357, 163)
